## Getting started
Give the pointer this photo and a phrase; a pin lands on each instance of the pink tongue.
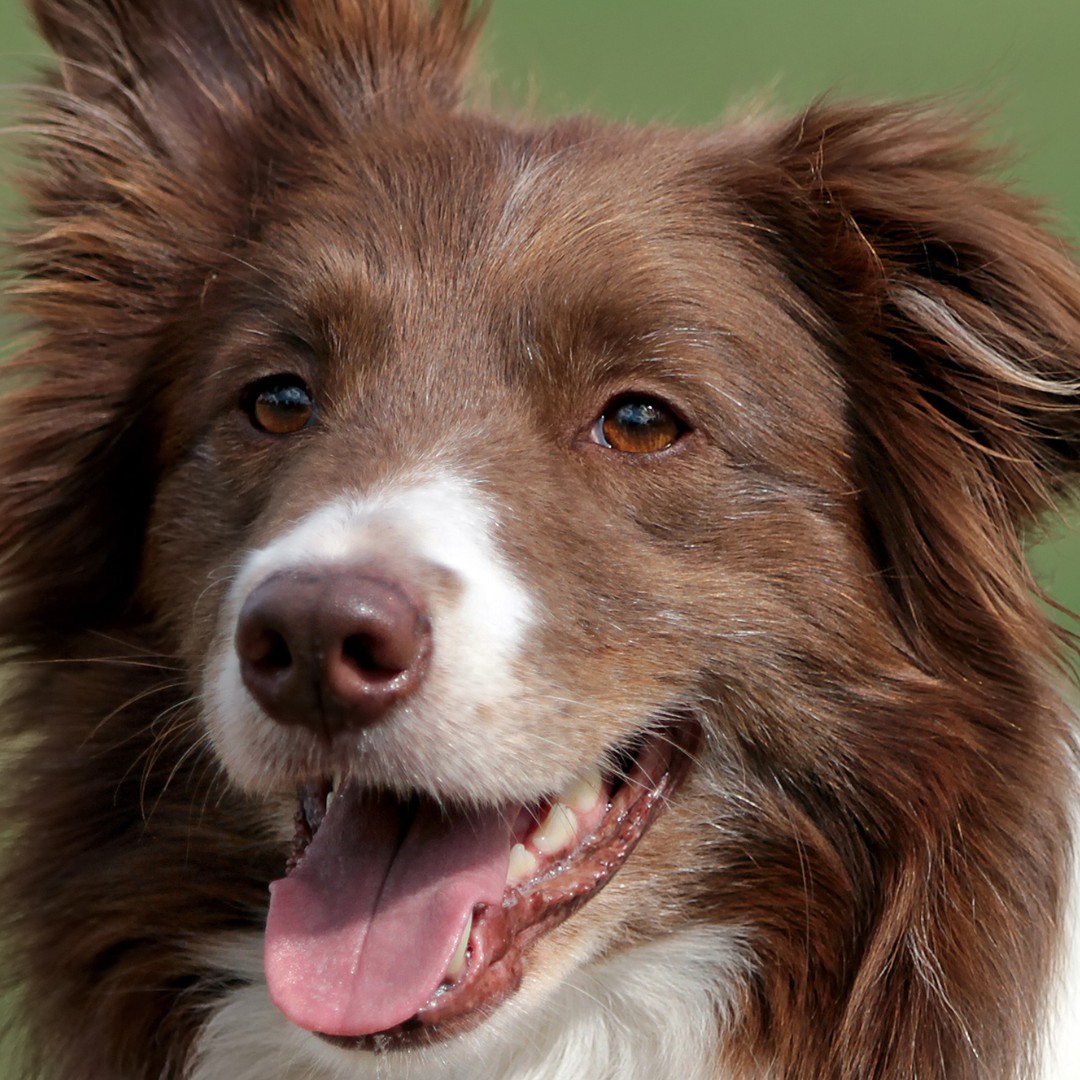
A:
(359, 936)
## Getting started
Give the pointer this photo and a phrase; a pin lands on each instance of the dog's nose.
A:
(331, 648)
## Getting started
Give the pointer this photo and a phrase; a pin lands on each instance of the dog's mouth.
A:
(401, 922)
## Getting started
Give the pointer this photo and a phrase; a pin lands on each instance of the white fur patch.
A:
(438, 529)
(441, 522)
(998, 365)
(650, 1013)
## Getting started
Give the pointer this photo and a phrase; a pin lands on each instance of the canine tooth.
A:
(330, 797)
(457, 961)
(557, 830)
(522, 864)
(583, 793)
(337, 781)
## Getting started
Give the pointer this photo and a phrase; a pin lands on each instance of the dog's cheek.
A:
(197, 524)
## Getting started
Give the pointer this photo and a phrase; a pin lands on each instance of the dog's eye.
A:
(279, 404)
(637, 424)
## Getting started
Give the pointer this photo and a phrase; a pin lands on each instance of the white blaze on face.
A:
(439, 537)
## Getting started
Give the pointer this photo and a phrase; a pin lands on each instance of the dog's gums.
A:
(371, 944)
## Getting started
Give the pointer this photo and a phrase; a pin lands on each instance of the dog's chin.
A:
(402, 922)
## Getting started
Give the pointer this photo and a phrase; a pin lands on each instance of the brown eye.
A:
(279, 404)
(638, 425)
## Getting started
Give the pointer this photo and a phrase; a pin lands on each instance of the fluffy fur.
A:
(873, 347)
(647, 1013)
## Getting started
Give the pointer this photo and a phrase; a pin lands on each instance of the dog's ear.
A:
(182, 67)
(75, 488)
(169, 121)
(954, 317)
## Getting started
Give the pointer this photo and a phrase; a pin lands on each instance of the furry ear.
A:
(182, 67)
(955, 320)
(74, 494)
(174, 119)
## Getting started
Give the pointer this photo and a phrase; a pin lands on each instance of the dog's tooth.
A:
(583, 793)
(557, 831)
(337, 782)
(522, 865)
(456, 966)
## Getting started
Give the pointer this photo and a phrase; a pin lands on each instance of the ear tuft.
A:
(953, 316)
(886, 217)
(180, 67)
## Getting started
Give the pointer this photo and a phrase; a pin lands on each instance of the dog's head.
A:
(566, 500)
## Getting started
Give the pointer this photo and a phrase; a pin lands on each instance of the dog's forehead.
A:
(468, 261)
(469, 277)
(469, 223)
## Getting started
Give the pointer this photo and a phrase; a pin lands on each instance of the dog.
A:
(488, 599)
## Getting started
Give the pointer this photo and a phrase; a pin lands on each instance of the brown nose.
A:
(331, 648)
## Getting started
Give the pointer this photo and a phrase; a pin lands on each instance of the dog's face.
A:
(567, 537)
(536, 434)
(539, 423)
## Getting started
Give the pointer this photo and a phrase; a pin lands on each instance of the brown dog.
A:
(497, 601)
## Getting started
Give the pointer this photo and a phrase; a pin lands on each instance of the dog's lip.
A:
(501, 937)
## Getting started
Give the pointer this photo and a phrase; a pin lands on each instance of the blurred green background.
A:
(689, 61)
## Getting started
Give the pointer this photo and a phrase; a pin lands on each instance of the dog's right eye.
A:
(638, 424)
(279, 404)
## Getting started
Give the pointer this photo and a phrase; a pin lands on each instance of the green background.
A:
(689, 61)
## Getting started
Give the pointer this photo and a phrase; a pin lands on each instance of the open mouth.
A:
(403, 922)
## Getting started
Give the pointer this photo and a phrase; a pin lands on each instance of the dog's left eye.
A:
(638, 424)
(279, 404)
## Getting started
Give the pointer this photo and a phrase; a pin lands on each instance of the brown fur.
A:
(878, 344)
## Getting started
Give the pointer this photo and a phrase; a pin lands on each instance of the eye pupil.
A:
(280, 405)
(639, 425)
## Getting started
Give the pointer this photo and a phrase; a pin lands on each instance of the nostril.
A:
(366, 654)
(387, 640)
(271, 652)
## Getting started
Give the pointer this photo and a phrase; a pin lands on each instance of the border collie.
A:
(498, 600)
